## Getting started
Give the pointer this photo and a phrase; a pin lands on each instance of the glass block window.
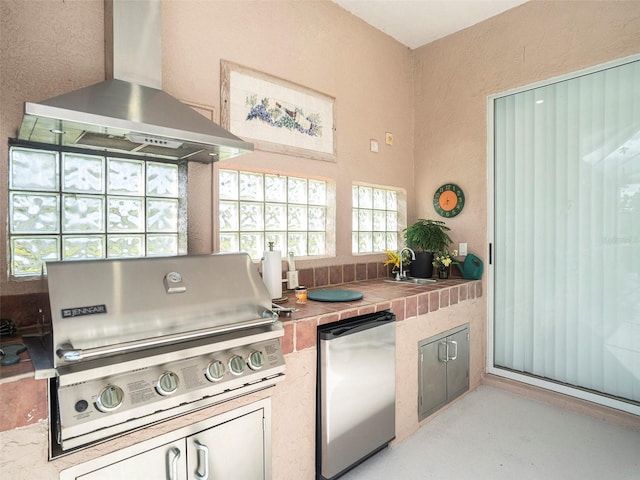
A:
(257, 208)
(377, 218)
(75, 206)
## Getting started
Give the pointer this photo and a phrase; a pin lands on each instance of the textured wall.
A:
(46, 48)
(314, 44)
(454, 76)
(51, 47)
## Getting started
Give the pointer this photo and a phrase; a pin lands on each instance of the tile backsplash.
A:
(350, 272)
(24, 310)
(339, 274)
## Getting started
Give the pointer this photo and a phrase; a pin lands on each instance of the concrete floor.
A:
(491, 434)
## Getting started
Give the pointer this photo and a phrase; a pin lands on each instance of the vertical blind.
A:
(567, 232)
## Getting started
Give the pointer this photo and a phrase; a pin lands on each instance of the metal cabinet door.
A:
(458, 364)
(165, 462)
(232, 450)
(433, 377)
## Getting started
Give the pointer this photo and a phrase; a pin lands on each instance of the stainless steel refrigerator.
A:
(356, 391)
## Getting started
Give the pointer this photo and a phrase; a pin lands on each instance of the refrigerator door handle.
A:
(361, 326)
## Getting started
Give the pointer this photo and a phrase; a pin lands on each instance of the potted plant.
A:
(443, 260)
(393, 260)
(425, 237)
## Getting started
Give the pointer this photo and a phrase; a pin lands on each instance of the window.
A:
(255, 209)
(376, 218)
(77, 206)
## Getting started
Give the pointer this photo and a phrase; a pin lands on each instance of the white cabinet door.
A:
(232, 450)
(167, 462)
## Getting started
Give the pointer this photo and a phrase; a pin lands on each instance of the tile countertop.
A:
(379, 294)
(405, 300)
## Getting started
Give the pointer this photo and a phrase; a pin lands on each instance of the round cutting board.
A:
(334, 295)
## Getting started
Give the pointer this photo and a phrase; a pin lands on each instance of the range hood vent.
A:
(119, 116)
(125, 116)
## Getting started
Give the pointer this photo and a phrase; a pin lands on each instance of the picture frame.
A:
(277, 115)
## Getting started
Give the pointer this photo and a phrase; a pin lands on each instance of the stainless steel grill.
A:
(137, 341)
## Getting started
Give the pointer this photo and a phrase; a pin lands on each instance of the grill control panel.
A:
(90, 405)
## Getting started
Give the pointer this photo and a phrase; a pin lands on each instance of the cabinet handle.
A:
(173, 462)
(455, 354)
(443, 358)
(202, 449)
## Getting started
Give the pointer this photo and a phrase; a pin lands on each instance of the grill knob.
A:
(255, 360)
(236, 365)
(109, 398)
(215, 371)
(167, 383)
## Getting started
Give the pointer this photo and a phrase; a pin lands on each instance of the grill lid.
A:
(106, 307)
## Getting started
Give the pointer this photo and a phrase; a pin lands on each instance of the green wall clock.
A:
(448, 200)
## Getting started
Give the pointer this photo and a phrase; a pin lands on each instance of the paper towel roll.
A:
(272, 273)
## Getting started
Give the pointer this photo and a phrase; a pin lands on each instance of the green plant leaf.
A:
(427, 235)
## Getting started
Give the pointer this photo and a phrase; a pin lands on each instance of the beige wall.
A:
(315, 44)
(46, 48)
(454, 76)
(51, 47)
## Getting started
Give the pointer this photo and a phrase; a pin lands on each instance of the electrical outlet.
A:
(462, 250)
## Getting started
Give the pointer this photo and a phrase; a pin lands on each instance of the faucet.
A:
(401, 274)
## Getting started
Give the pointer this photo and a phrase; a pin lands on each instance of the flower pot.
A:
(422, 266)
(443, 272)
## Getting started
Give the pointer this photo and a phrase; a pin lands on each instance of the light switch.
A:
(374, 146)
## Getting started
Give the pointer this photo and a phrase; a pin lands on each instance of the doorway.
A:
(565, 235)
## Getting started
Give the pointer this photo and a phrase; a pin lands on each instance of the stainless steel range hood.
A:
(127, 114)
(119, 116)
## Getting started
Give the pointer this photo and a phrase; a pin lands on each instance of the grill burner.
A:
(134, 342)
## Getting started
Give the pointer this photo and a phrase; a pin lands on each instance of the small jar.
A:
(301, 294)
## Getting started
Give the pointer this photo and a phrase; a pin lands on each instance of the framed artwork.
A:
(277, 115)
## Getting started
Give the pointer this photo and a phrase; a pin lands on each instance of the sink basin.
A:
(415, 281)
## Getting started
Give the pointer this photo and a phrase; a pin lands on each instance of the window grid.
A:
(77, 206)
(375, 219)
(257, 208)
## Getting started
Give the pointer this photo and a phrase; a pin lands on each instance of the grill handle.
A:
(68, 353)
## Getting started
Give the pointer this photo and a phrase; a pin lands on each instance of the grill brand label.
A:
(81, 311)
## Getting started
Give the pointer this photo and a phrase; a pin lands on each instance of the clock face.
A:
(448, 200)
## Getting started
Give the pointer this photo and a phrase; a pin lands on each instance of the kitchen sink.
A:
(415, 281)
